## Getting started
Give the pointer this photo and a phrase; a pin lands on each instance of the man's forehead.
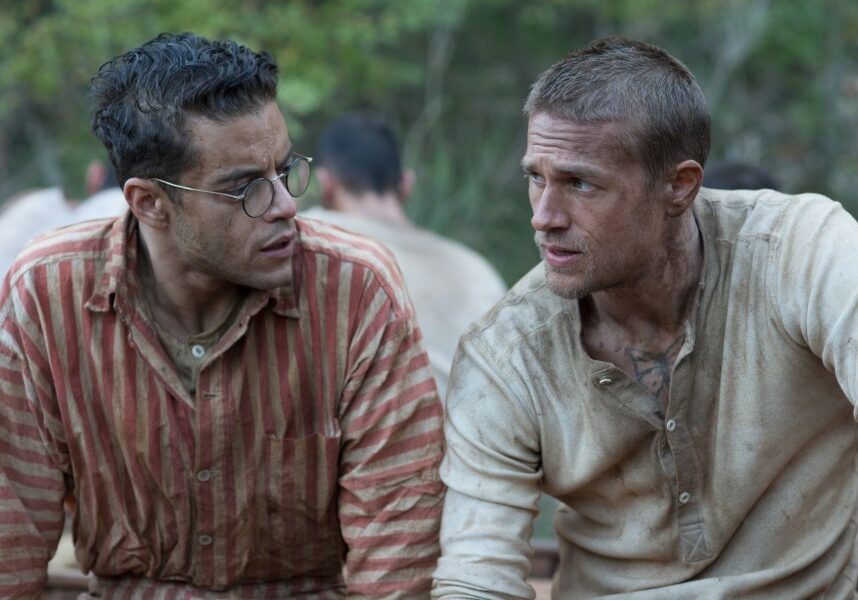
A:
(547, 132)
(266, 119)
(246, 138)
(543, 124)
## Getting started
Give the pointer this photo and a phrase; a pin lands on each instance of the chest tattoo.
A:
(652, 369)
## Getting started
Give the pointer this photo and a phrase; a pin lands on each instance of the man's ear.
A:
(684, 182)
(96, 175)
(406, 184)
(327, 188)
(148, 201)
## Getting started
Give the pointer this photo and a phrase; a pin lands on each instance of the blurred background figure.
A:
(363, 188)
(737, 175)
(781, 80)
(30, 213)
(22, 218)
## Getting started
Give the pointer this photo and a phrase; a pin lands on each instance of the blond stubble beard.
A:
(557, 283)
(591, 278)
(570, 290)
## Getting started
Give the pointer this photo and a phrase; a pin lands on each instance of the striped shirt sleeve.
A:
(32, 487)
(390, 493)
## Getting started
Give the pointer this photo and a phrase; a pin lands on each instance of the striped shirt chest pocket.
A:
(301, 524)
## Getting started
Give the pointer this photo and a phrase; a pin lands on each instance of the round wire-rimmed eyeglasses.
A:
(258, 195)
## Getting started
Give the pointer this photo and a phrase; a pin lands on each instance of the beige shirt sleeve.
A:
(815, 289)
(493, 471)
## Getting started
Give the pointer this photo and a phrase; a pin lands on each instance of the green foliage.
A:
(452, 75)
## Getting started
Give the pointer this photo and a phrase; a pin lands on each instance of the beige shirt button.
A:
(684, 497)
(205, 540)
(198, 351)
(605, 381)
(204, 475)
(670, 425)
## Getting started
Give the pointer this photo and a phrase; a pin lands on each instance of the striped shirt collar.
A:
(114, 287)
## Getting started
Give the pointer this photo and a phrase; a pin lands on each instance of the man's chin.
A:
(566, 286)
(265, 282)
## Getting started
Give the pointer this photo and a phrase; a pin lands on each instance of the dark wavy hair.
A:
(141, 99)
(637, 84)
(361, 150)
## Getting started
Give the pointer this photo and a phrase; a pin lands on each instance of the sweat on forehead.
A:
(588, 138)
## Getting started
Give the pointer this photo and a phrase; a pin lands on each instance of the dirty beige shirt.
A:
(745, 488)
(450, 285)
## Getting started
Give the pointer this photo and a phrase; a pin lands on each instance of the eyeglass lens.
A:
(298, 177)
(259, 196)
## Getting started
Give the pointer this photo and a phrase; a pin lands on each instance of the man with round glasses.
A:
(256, 197)
(238, 400)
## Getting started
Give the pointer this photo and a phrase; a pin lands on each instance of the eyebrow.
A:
(242, 173)
(235, 176)
(578, 172)
(566, 170)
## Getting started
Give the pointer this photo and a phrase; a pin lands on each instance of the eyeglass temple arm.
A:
(190, 189)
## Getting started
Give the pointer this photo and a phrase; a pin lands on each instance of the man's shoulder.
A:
(528, 309)
(344, 247)
(743, 214)
(343, 244)
(420, 249)
(331, 217)
(88, 240)
(59, 260)
(470, 265)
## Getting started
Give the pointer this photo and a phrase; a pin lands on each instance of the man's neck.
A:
(641, 328)
(182, 301)
(661, 299)
(381, 207)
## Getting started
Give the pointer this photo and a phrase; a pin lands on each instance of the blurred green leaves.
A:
(781, 75)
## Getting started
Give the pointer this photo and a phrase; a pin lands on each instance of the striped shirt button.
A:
(198, 351)
(684, 497)
(670, 425)
(204, 475)
(605, 381)
(205, 540)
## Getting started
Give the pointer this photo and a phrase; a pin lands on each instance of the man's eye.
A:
(237, 191)
(583, 186)
(535, 178)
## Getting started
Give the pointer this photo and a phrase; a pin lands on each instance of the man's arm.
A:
(815, 291)
(390, 493)
(493, 472)
(31, 486)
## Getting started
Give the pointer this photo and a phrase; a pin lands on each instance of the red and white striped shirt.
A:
(311, 442)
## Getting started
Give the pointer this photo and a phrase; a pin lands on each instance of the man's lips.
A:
(281, 246)
(558, 256)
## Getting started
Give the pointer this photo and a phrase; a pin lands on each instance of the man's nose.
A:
(550, 212)
(283, 205)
